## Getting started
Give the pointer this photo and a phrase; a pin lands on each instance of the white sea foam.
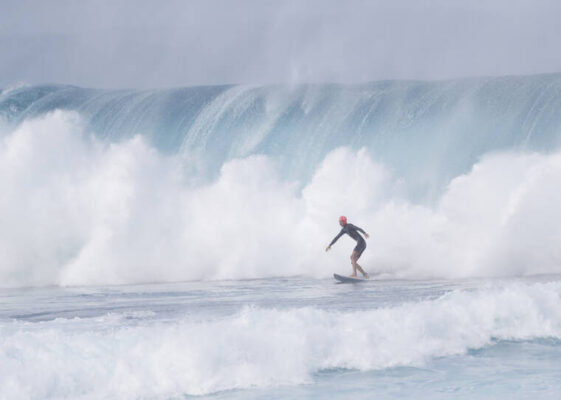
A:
(78, 211)
(105, 357)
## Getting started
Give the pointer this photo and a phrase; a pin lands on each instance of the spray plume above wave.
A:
(429, 132)
(452, 179)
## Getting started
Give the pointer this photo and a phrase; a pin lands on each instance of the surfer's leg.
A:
(356, 255)
(354, 258)
(356, 266)
(353, 263)
(361, 271)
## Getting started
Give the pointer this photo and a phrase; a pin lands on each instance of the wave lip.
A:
(257, 347)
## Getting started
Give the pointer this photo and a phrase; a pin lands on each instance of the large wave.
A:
(427, 132)
(78, 210)
(451, 179)
(121, 356)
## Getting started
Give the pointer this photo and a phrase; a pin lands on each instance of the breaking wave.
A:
(451, 179)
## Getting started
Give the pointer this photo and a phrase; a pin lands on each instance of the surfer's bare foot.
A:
(352, 275)
(366, 276)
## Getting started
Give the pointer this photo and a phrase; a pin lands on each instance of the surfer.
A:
(352, 231)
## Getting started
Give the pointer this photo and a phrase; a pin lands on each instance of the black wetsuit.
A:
(352, 231)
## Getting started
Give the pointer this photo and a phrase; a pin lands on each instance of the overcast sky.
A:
(146, 43)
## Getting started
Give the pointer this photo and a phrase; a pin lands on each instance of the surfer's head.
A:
(342, 220)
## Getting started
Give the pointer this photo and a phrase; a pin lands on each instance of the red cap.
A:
(343, 219)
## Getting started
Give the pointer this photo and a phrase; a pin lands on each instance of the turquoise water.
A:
(428, 132)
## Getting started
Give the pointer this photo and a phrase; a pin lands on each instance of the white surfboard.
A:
(349, 279)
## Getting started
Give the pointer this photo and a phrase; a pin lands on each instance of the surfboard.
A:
(349, 279)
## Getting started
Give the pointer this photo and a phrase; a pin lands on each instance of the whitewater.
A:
(157, 244)
(284, 338)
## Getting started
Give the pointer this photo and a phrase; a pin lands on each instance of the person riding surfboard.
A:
(353, 232)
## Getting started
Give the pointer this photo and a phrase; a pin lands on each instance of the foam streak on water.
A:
(296, 338)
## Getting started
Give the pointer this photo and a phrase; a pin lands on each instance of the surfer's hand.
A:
(367, 235)
(328, 247)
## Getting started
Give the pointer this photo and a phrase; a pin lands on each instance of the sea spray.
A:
(77, 210)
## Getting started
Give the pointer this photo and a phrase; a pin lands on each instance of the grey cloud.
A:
(175, 43)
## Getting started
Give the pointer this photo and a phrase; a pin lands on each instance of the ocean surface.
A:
(224, 199)
(284, 338)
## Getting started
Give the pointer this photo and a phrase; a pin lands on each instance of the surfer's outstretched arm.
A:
(335, 239)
